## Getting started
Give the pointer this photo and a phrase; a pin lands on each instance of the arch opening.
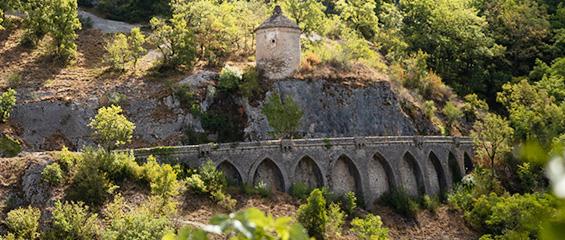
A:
(380, 175)
(345, 177)
(468, 161)
(411, 176)
(268, 173)
(231, 173)
(307, 172)
(454, 169)
(438, 182)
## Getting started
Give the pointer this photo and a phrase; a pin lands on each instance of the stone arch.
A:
(344, 177)
(381, 178)
(411, 175)
(438, 182)
(454, 168)
(270, 174)
(231, 172)
(468, 163)
(308, 172)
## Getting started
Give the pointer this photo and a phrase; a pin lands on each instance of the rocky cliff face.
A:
(334, 110)
(330, 110)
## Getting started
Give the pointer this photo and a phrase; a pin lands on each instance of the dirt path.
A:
(105, 25)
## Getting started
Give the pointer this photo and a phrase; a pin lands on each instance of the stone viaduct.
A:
(368, 166)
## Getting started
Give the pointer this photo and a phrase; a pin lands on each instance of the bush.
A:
(300, 190)
(91, 183)
(283, 115)
(7, 103)
(429, 109)
(63, 26)
(161, 178)
(118, 52)
(52, 174)
(430, 203)
(313, 214)
(452, 113)
(336, 218)
(250, 83)
(111, 127)
(401, 202)
(67, 159)
(369, 228)
(174, 40)
(23, 223)
(142, 222)
(73, 221)
(350, 203)
(516, 215)
(230, 77)
(474, 185)
(212, 182)
(9, 147)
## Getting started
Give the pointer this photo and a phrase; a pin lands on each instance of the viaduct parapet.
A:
(368, 166)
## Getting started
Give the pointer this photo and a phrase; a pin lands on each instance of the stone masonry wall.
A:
(369, 166)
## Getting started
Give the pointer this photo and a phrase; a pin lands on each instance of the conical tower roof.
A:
(278, 20)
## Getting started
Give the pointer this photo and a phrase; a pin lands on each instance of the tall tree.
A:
(456, 39)
(308, 14)
(63, 24)
(493, 137)
(360, 16)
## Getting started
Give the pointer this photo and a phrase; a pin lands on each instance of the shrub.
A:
(111, 127)
(474, 185)
(313, 214)
(283, 115)
(9, 147)
(369, 228)
(452, 113)
(349, 203)
(52, 174)
(212, 182)
(7, 103)
(142, 222)
(250, 83)
(91, 184)
(430, 203)
(300, 190)
(230, 77)
(136, 40)
(429, 109)
(401, 202)
(73, 221)
(263, 189)
(23, 223)
(14, 79)
(336, 218)
(508, 216)
(67, 159)
(118, 51)
(161, 178)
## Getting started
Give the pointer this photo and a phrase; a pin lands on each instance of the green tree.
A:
(552, 77)
(313, 214)
(136, 40)
(118, 51)
(174, 40)
(492, 136)
(456, 39)
(452, 113)
(63, 24)
(533, 113)
(283, 115)
(522, 27)
(360, 16)
(308, 14)
(7, 103)
(111, 128)
(369, 228)
(36, 20)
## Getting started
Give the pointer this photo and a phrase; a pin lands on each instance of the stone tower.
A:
(277, 46)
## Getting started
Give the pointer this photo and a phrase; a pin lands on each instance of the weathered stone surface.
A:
(36, 192)
(333, 110)
(368, 166)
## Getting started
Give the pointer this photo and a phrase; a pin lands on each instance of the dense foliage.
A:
(111, 128)
(7, 103)
(284, 115)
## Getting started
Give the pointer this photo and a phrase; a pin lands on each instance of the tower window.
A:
(272, 40)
